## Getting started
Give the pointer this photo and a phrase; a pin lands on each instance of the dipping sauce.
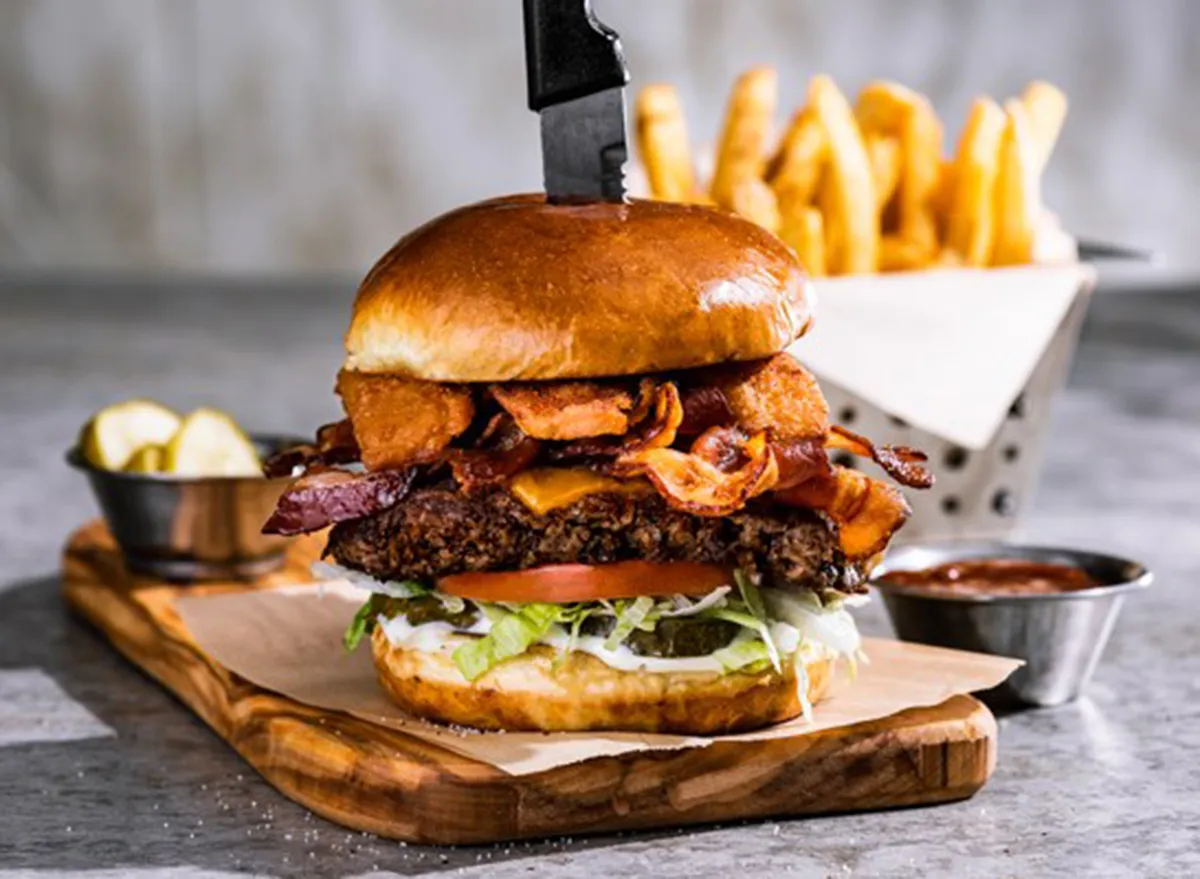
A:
(995, 577)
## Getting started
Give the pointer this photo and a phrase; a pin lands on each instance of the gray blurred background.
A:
(293, 136)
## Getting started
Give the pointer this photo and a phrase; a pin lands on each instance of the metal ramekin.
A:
(1060, 636)
(185, 528)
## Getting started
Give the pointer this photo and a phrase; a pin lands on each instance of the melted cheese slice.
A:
(545, 488)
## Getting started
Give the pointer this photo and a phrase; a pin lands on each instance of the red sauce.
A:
(995, 577)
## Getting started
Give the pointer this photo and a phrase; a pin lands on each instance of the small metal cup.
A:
(185, 528)
(1060, 635)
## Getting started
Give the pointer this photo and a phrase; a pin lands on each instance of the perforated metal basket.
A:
(978, 493)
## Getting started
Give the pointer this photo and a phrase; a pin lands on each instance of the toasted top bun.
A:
(515, 288)
(528, 692)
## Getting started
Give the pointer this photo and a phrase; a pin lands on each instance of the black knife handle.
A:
(568, 53)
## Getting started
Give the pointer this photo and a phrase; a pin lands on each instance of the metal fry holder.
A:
(979, 493)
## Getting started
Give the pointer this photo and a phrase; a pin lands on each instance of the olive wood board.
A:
(384, 781)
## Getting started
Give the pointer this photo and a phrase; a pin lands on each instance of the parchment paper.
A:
(947, 351)
(289, 640)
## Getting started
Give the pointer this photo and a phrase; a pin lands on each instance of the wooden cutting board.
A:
(383, 781)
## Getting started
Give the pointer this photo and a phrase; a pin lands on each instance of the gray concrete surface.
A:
(104, 774)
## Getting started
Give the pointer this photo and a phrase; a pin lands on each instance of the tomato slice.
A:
(560, 584)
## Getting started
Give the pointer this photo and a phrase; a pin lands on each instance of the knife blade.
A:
(583, 148)
(576, 77)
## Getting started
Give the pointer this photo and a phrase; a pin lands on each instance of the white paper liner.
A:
(947, 351)
(289, 640)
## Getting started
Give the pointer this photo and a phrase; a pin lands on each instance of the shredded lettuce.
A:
(750, 595)
(631, 615)
(743, 655)
(452, 603)
(683, 607)
(802, 686)
(753, 623)
(358, 626)
(510, 636)
(829, 624)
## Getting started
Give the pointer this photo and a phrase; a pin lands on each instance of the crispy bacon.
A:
(867, 511)
(315, 501)
(776, 394)
(335, 445)
(400, 421)
(657, 428)
(724, 470)
(567, 410)
(799, 460)
(337, 440)
(285, 461)
(723, 447)
(753, 428)
(902, 463)
(504, 450)
(704, 406)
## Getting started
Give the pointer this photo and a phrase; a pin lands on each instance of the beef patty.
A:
(438, 531)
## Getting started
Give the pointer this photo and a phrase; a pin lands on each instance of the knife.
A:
(576, 76)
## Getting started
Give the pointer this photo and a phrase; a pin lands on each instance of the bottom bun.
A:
(582, 693)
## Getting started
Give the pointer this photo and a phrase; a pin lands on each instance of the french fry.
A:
(663, 143)
(847, 190)
(884, 155)
(754, 200)
(943, 193)
(898, 254)
(803, 229)
(1047, 108)
(948, 259)
(891, 109)
(970, 227)
(747, 120)
(1018, 203)
(796, 165)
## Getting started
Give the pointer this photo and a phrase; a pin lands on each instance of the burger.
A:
(582, 481)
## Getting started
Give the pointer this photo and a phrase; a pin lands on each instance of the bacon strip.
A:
(399, 421)
(335, 445)
(723, 470)
(657, 429)
(800, 460)
(867, 511)
(567, 410)
(321, 499)
(505, 451)
(704, 406)
(901, 463)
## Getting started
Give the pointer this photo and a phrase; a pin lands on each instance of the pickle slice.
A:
(116, 432)
(209, 443)
(147, 459)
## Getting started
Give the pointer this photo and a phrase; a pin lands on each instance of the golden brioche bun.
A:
(582, 693)
(514, 288)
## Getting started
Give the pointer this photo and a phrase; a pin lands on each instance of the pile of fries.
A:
(866, 188)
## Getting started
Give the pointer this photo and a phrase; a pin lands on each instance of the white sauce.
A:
(359, 580)
(624, 659)
(431, 637)
(427, 637)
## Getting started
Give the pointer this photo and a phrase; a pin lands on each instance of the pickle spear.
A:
(115, 433)
(147, 459)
